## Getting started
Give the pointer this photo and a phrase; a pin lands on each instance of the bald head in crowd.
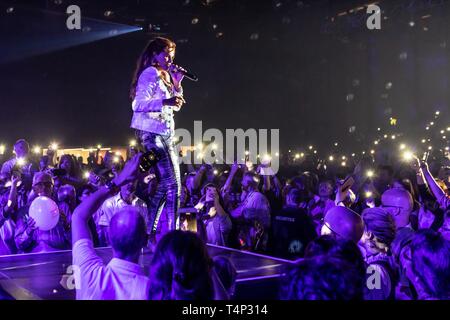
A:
(127, 232)
(344, 223)
(399, 203)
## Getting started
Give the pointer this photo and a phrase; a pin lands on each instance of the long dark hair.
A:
(430, 254)
(74, 166)
(181, 268)
(153, 47)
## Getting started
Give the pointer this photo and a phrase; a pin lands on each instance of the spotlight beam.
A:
(40, 32)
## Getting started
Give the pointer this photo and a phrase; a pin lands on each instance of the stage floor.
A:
(46, 275)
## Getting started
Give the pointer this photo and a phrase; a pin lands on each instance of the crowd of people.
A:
(375, 229)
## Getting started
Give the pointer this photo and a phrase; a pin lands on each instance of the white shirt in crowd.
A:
(112, 205)
(118, 280)
(255, 206)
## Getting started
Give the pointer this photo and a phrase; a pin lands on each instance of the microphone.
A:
(183, 71)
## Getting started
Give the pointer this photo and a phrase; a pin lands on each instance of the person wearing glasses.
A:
(399, 204)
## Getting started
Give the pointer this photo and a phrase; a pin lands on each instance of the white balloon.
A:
(45, 213)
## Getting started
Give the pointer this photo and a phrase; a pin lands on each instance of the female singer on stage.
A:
(156, 93)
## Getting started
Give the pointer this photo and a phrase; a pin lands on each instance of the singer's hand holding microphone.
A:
(179, 72)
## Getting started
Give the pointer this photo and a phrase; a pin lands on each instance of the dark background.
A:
(309, 68)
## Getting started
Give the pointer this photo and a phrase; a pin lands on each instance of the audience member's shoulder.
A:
(84, 243)
(258, 195)
(6, 162)
(111, 200)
